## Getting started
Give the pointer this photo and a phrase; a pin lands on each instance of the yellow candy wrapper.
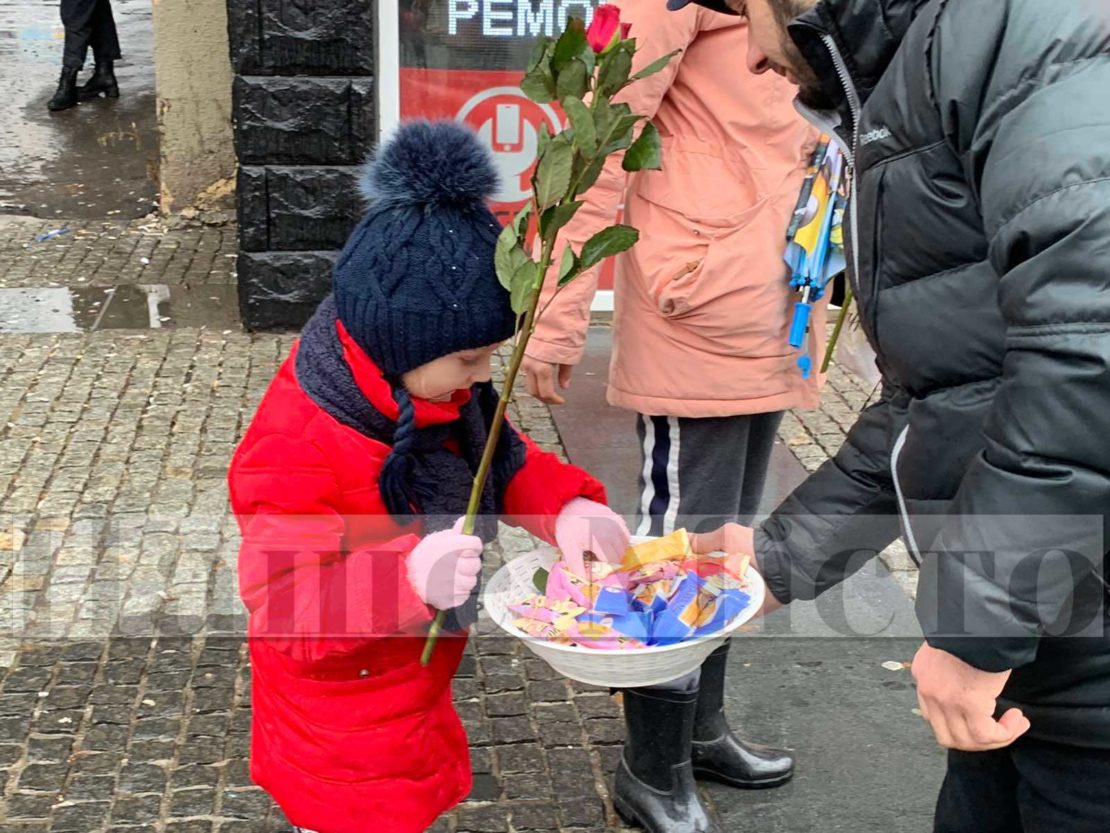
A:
(673, 547)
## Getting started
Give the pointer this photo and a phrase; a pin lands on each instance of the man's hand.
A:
(540, 378)
(959, 702)
(734, 538)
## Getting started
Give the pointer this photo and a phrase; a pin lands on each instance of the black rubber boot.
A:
(103, 80)
(717, 754)
(655, 787)
(66, 94)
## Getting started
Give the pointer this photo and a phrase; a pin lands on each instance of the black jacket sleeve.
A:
(1028, 111)
(844, 514)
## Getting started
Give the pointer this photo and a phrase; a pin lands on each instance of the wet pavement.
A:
(127, 307)
(99, 159)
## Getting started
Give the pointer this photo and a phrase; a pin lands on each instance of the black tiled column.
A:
(305, 119)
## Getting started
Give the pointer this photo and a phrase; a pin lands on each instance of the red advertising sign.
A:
(490, 102)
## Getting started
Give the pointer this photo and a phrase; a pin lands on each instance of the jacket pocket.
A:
(673, 294)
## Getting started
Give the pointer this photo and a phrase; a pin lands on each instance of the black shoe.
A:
(655, 787)
(66, 94)
(103, 80)
(716, 753)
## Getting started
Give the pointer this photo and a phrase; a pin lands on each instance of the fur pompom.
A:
(429, 164)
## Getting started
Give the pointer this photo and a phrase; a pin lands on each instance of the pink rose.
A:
(606, 28)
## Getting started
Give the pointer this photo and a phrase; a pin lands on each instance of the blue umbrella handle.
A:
(800, 324)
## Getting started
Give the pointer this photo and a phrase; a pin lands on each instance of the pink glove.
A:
(585, 525)
(444, 567)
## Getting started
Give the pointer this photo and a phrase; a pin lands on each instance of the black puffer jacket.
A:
(981, 259)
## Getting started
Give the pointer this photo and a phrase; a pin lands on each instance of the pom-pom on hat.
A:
(416, 280)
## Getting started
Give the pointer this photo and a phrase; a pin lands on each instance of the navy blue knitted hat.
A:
(416, 279)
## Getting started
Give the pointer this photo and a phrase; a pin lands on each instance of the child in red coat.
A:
(349, 487)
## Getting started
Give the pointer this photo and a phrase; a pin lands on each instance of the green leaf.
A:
(552, 177)
(571, 81)
(503, 263)
(539, 51)
(556, 217)
(614, 126)
(615, 68)
(570, 44)
(644, 153)
(524, 285)
(568, 268)
(588, 57)
(520, 221)
(543, 141)
(606, 243)
(540, 580)
(655, 66)
(589, 178)
(583, 123)
(539, 85)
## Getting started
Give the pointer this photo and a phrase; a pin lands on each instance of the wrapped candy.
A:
(673, 547)
(723, 610)
(550, 611)
(654, 597)
(635, 625)
(660, 594)
(537, 629)
(686, 601)
(668, 628)
(601, 635)
(613, 600)
(562, 583)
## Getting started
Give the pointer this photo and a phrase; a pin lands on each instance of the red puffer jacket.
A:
(349, 732)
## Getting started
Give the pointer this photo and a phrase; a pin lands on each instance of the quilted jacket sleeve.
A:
(843, 514)
(306, 595)
(1032, 123)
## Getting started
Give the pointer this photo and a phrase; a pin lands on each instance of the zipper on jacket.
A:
(857, 110)
(907, 530)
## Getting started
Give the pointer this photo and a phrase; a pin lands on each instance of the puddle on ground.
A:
(128, 307)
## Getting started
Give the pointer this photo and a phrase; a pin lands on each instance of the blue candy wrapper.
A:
(613, 601)
(635, 625)
(730, 605)
(668, 629)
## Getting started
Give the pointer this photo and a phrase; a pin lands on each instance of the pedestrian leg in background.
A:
(87, 23)
(105, 47)
(702, 473)
(1030, 787)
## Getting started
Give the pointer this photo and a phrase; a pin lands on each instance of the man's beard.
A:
(811, 92)
(814, 96)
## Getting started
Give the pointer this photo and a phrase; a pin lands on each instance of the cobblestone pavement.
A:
(125, 703)
(107, 254)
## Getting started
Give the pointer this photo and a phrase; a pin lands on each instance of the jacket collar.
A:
(379, 392)
(866, 34)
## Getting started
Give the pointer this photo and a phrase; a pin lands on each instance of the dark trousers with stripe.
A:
(699, 474)
(89, 23)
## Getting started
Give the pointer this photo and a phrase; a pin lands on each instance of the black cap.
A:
(713, 5)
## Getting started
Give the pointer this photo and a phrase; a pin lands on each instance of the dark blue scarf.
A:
(422, 479)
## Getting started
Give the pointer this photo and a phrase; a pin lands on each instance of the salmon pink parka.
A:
(350, 734)
(703, 305)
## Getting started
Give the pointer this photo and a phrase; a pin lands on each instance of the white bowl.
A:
(631, 668)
